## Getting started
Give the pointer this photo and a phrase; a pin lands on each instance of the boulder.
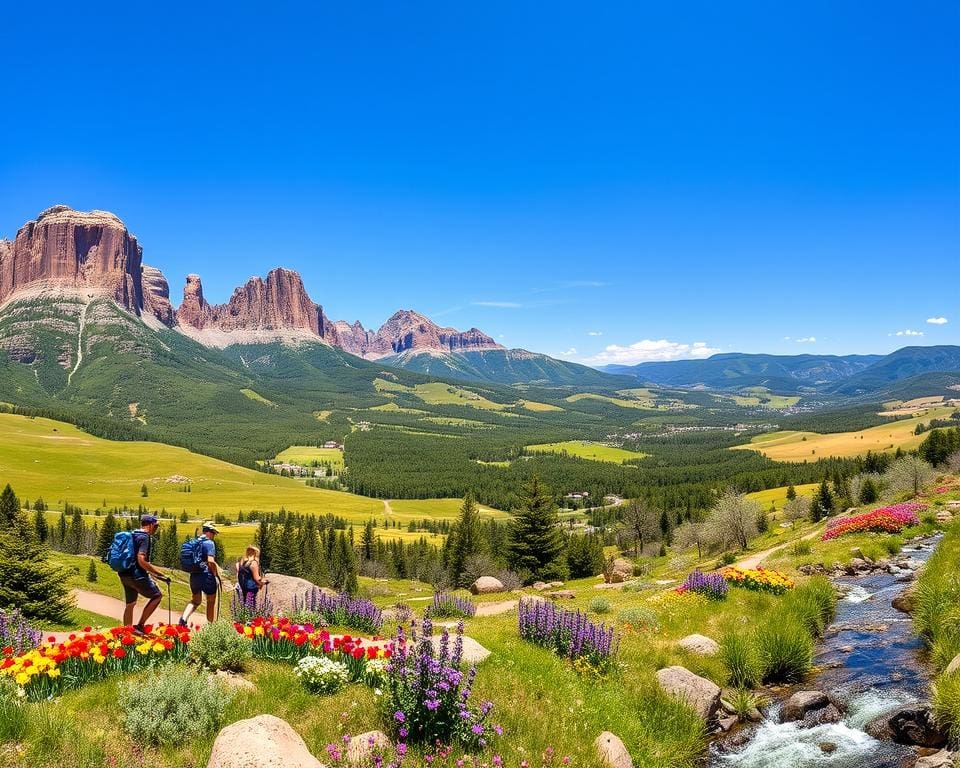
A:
(487, 585)
(612, 751)
(828, 714)
(540, 586)
(910, 724)
(797, 706)
(953, 666)
(263, 741)
(561, 594)
(362, 748)
(233, 680)
(283, 590)
(698, 692)
(944, 517)
(941, 759)
(618, 571)
(473, 652)
(700, 645)
(904, 602)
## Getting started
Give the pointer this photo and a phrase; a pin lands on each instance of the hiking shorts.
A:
(204, 581)
(134, 587)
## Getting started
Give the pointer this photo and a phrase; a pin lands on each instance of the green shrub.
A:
(219, 646)
(744, 702)
(813, 603)
(892, 545)
(801, 548)
(946, 705)
(640, 618)
(171, 705)
(728, 558)
(738, 652)
(13, 714)
(784, 646)
(600, 605)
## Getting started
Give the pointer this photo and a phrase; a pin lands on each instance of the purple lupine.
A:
(446, 605)
(428, 693)
(569, 633)
(341, 610)
(16, 632)
(255, 605)
(710, 585)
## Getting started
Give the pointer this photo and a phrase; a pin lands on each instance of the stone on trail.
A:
(487, 585)
(612, 751)
(797, 706)
(701, 645)
(362, 748)
(953, 666)
(263, 741)
(561, 594)
(699, 693)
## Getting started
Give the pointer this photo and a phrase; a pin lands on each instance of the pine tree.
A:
(791, 492)
(368, 541)
(143, 490)
(822, 505)
(40, 525)
(107, 531)
(27, 578)
(264, 541)
(465, 540)
(287, 558)
(75, 534)
(92, 572)
(868, 491)
(536, 543)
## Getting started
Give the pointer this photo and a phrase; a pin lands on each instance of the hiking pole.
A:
(219, 595)
(169, 607)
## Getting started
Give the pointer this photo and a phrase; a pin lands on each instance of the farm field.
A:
(639, 404)
(585, 450)
(762, 398)
(55, 460)
(810, 446)
(437, 509)
(438, 393)
(306, 454)
(778, 496)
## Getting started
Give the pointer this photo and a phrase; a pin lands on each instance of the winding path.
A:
(752, 561)
(83, 323)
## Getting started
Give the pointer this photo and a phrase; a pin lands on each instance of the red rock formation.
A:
(354, 339)
(156, 295)
(91, 252)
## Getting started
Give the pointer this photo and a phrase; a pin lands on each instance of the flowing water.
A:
(884, 670)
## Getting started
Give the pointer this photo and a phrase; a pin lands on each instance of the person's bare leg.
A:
(212, 608)
(148, 609)
(128, 613)
(191, 607)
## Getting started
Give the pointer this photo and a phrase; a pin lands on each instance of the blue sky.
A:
(604, 182)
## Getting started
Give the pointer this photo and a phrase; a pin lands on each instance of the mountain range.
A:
(86, 255)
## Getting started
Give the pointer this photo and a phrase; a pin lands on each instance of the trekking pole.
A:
(169, 606)
(219, 595)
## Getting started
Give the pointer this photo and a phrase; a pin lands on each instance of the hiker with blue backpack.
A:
(129, 556)
(198, 557)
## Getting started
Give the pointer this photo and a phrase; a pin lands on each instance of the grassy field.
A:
(761, 399)
(438, 393)
(41, 457)
(256, 397)
(778, 496)
(530, 405)
(416, 509)
(810, 446)
(639, 404)
(585, 450)
(307, 454)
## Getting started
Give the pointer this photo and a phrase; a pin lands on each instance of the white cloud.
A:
(937, 320)
(807, 340)
(649, 349)
(594, 333)
(786, 338)
(568, 352)
(908, 332)
(498, 304)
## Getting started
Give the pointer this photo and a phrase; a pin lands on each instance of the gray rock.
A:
(473, 652)
(941, 759)
(362, 748)
(904, 602)
(701, 645)
(699, 693)
(797, 706)
(487, 585)
(953, 666)
(910, 724)
(263, 741)
(612, 751)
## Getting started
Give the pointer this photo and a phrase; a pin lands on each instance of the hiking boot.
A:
(181, 623)
(138, 631)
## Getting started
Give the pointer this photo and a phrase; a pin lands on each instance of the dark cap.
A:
(148, 519)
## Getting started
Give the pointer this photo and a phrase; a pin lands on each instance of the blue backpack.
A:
(122, 555)
(192, 558)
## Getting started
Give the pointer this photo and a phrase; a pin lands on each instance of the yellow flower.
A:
(53, 672)
(22, 679)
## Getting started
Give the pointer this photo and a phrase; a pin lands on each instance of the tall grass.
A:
(814, 604)
(946, 705)
(738, 652)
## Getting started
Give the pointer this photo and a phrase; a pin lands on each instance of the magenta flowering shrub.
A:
(569, 633)
(427, 694)
(891, 519)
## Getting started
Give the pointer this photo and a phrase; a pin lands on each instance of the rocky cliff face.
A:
(156, 295)
(407, 330)
(90, 253)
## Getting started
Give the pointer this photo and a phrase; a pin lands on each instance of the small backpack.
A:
(192, 558)
(122, 555)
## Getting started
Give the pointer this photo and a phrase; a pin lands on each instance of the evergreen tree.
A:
(287, 559)
(92, 572)
(27, 578)
(791, 492)
(822, 505)
(75, 533)
(40, 525)
(465, 540)
(62, 527)
(536, 543)
(368, 541)
(143, 490)
(666, 529)
(868, 491)
(107, 531)
(264, 541)
(343, 571)
(584, 556)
